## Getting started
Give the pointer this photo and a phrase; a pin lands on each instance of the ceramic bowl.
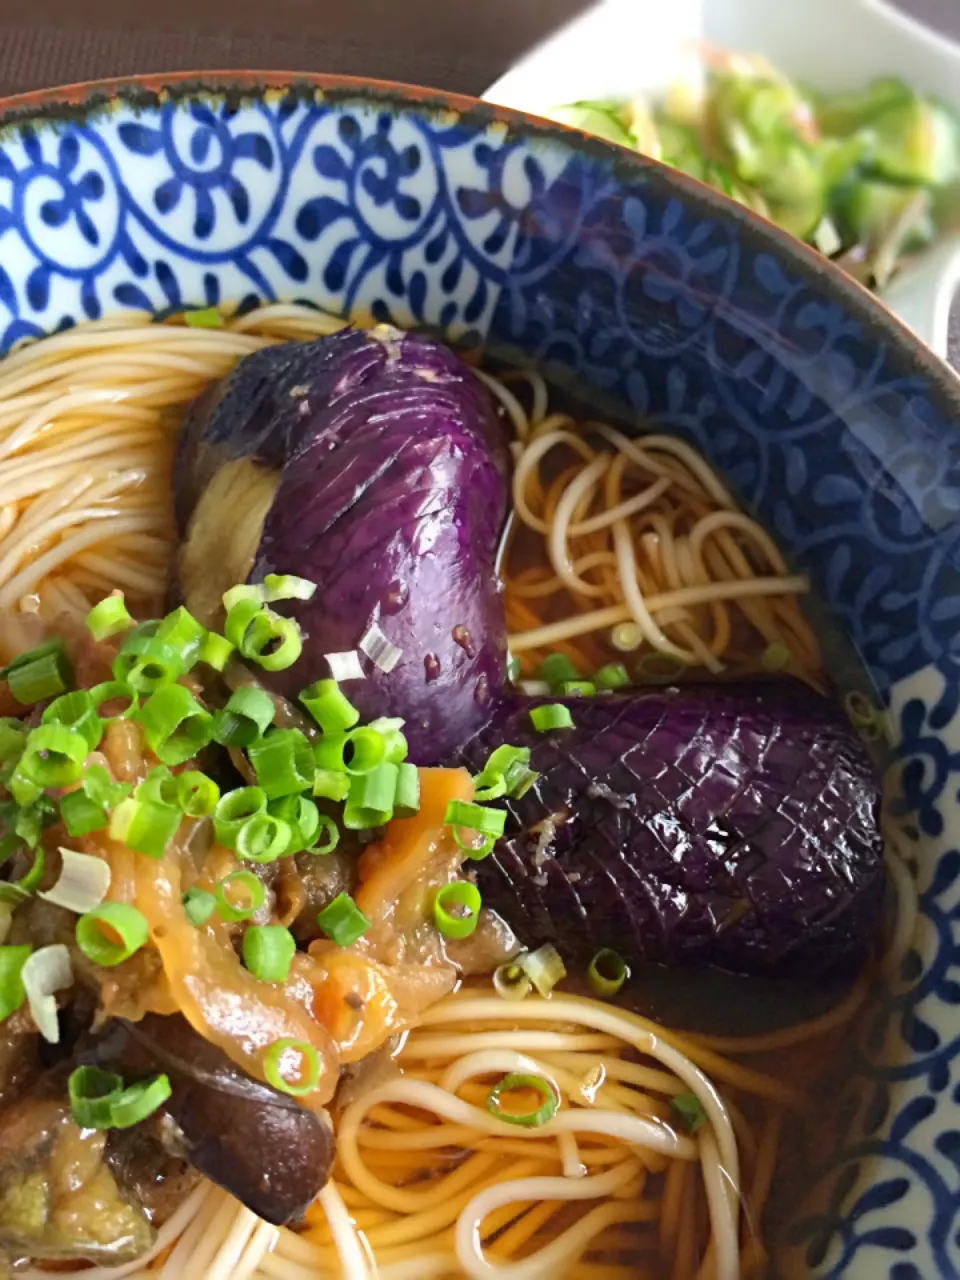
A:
(663, 304)
(619, 48)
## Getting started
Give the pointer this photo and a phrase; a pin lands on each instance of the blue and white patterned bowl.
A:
(657, 299)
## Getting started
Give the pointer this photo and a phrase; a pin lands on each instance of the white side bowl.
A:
(622, 47)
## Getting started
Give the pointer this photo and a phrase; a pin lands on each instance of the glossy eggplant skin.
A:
(392, 493)
(724, 825)
(258, 1144)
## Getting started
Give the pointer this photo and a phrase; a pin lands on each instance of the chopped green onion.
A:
(513, 669)
(687, 1110)
(204, 318)
(463, 817)
(30, 821)
(98, 1099)
(287, 586)
(17, 891)
(383, 653)
(175, 725)
(331, 709)
(371, 798)
(145, 663)
(861, 711)
(529, 1119)
(612, 675)
(345, 666)
(77, 711)
(660, 668)
(198, 905)
(301, 815)
(357, 752)
(197, 795)
(556, 669)
(262, 636)
(82, 884)
(607, 972)
(268, 950)
(13, 737)
(246, 717)
(465, 898)
(23, 789)
(109, 617)
(283, 762)
(215, 651)
(111, 933)
(181, 631)
(53, 756)
(510, 982)
(544, 967)
(407, 800)
(39, 674)
(552, 715)
(81, 814)
(239, 895)
(505, 773)
(44, 972)
(144, 825)
(394, 742)
(330, 785)
(332, 831)
(343, 921)
(110, 691)
(159, 785)
(775, 656)
(263, 838)
(626, 637)
(233, 810)
(578, 689)
(12, 994)
(100, 786)
(487, 787)
(292, 1066)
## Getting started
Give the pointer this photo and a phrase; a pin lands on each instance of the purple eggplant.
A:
(733, 826)
(374, 464)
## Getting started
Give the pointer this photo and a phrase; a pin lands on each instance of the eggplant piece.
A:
(374, 464)
(256, 1143)
(732, 826)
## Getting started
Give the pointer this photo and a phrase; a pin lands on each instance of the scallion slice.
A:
(283, 762)
(17, 891)
(329, 785)
(544, 967)
(345, 666)
(263, 838)
(463, 817)
(556, 669)
(198, 905)
(181, 631)
(510, 982)
(688, 1111)
(239, 896)
(357, 752)
(578, 689)
(81, 814)
(98, 1099)
(292, 1066)
(144, 826)
(82, 884)
(113, 691)
(505, 773)
(13, 737)
(607, 972)
(215, 651)
(145, 662)
(204, 318)
(247, 716)
(456, 909)
(527, 1119)
(39, 674)
(343, 921)
(394, 742)
(551, 715)
(53, 756)
(78, 711)
(109, 617)
(159, 786)
(263, 636)
(197, 794)
(233, 810)
(407, 800)
(382, 652)
(329, 706)
(175, 725)
(268, 950)
(371, 798)
(301, 815)
(100, 786)
(327, 826)
(612, 675)
(12, 993)
(112, 933)
(45, 972)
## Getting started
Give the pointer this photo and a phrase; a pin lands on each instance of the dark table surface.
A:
(461, 45)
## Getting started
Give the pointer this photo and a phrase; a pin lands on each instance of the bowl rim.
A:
(70, 101)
